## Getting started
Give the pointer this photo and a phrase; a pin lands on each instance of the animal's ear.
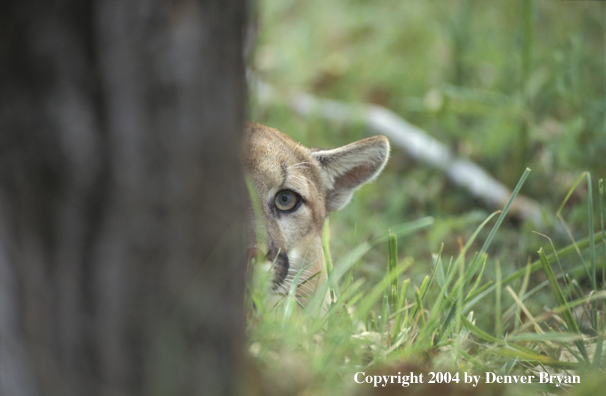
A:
(346, 168)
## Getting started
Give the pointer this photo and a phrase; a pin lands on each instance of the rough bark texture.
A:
(121, 197)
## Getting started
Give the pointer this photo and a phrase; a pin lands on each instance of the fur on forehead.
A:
(277, 153)
(346, 168)
(274, 146)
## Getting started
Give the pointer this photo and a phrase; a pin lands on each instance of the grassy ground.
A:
(509, 85)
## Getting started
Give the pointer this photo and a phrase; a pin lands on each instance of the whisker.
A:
(302, 263)
(302, 272)
(297, 145)
(304, 285)
(298, 164)
(305, 179)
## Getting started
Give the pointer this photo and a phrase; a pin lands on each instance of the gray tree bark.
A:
(121, 197)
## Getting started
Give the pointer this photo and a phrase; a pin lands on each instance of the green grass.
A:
(510, 85)
(432, 324)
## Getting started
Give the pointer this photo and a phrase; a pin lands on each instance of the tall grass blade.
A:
(332, 287)
(420, 295)
(559, 296)
(574, 186)
(494, 230)
(291, 301)
(392, 264)
(384, 313)
(444, 326)
(439, 268)
(400, 317)
(601, 206)
(594, 275)
(498, 325)
(478, 294)
(419, 307)
(478, 279)
(597, 356)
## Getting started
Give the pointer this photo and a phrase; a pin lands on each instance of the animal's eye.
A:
(287, 200)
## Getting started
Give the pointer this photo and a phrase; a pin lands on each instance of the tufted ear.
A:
(346, 168)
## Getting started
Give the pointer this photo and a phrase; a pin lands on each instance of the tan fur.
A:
(323, 179)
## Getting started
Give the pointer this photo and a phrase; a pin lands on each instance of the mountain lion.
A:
(296, 187)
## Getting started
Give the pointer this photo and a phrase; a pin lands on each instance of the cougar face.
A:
(296, 188)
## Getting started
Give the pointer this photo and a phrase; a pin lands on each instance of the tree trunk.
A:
(121, 197)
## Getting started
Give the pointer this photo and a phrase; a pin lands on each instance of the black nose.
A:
(280, 265)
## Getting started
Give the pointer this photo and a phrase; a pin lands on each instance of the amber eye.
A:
(287, 200)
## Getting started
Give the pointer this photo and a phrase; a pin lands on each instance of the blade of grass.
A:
(399, 315)
(574, 186)
(443, 328)
(457, 303)
(332, 287)
(291, 299)
(478, 279)
(594, 284)
(481, 292)
(494, 230)
(563, 337)
(392, 264)
(419, 306)
(530, 356)
(522, 292)
(601, 295)
(384, 313)
(420, 294)
(601, 206)
(439, 267)
(597, 356)
(498, 327)
(522, 307)
(559, 296)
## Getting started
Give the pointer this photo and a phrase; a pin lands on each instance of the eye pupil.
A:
(287, 200)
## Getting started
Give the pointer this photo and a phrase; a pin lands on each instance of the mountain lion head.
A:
(296, 188)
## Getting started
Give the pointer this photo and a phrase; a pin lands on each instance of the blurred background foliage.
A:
(508, 85)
